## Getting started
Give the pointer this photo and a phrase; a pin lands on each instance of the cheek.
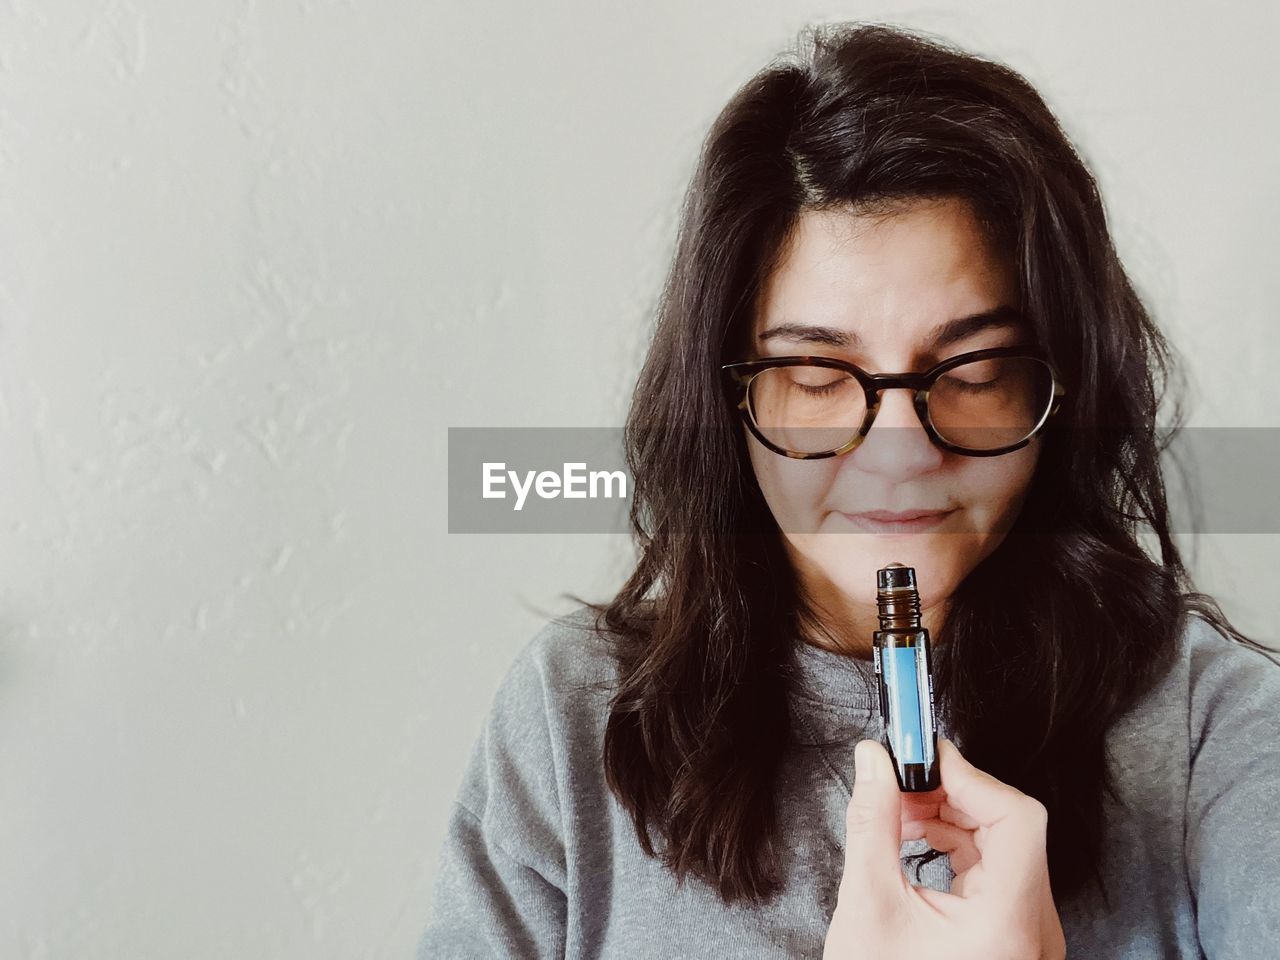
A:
(996, 487)
(794, 489)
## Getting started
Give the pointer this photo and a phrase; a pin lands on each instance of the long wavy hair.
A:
(1079, 617)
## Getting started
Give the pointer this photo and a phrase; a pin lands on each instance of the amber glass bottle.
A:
(905, 680)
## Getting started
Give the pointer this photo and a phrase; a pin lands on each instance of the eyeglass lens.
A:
(981, 405)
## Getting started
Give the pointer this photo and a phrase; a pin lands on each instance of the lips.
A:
(890, 516)
(900, 521)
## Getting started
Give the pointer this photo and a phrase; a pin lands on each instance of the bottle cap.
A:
(896, 576)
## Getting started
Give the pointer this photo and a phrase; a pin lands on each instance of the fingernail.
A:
(864, 765)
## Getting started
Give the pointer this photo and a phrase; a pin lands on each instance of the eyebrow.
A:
(945, 334)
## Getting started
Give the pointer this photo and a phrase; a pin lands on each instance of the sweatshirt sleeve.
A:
(500, 886)
(1233, 834)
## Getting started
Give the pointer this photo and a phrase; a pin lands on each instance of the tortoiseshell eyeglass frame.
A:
(739, 375)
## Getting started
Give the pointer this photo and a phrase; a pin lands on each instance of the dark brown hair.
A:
(864, 117)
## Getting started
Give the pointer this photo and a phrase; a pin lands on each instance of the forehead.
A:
(888, 277)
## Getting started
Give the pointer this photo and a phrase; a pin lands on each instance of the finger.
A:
(972, 791)
(922, 806)
(913, 830)
(952, 815)
(912, 810)
(956, 843)
(978, 797)
(873, 824)
(1010, 836)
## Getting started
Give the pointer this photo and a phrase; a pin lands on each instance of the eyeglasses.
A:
(980, 404)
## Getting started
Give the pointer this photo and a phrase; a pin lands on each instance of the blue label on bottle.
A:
(905, 708)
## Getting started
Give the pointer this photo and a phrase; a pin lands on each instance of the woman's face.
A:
(882, 291)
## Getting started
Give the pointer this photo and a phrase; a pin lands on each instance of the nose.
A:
(897, 446)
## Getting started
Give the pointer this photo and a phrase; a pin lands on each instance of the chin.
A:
(850, 560)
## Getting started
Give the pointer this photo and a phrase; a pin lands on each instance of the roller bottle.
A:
(905, 680)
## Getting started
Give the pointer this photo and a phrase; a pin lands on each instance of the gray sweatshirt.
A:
(540, 859)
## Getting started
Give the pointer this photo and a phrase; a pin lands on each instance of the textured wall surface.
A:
(255, 256)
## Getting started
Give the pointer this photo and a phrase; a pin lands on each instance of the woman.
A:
(671, 773)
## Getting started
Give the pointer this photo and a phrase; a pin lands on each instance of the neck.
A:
(851, 629)
(850, 623)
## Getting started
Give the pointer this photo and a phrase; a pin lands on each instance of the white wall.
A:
(251, 252)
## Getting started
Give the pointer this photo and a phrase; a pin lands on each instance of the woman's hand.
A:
(1000, 906)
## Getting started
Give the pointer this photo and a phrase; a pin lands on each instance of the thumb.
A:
(873, 822)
